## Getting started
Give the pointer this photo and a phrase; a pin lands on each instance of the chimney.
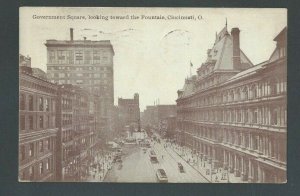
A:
(71, 34)
(236, 56)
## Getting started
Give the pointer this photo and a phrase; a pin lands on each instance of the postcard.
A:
(153, 95)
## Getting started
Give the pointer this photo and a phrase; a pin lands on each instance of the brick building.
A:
(37, 128)
(76, 137)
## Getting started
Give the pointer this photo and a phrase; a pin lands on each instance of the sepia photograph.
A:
(152, 95)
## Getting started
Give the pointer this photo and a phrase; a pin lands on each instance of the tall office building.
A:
(88, 64)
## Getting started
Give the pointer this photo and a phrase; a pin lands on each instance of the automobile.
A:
(161, 175)
(180, 167)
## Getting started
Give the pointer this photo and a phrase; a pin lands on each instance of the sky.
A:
(152, 56)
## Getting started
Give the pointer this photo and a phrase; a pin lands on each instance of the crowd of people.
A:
(101, 164)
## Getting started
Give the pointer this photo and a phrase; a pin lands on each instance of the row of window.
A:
(80, 68)
(253, 91)
(265, 115)
(43, 104)
(28, 151)
(76, 75)
(78, 56)
(36, 172)
(87, 81)
(33, 122)
(269, 146)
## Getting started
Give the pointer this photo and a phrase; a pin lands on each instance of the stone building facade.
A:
(233, 113)
(37, 128)
(88, 64)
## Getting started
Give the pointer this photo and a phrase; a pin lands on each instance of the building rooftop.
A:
(222, 52)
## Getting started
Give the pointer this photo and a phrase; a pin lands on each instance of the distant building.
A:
(233, 113)
(129, 112)
(154, 115)
(88, 64)
(24, 61)
(37, 128)
(39, 73)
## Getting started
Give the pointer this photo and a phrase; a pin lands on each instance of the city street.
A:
(136, 166)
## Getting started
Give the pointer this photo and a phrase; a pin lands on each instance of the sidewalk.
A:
(98, 173)
(204, 167)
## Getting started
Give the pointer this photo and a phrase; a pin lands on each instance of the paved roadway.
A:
(138, 168)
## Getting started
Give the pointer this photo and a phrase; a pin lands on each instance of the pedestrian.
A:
(216, 179)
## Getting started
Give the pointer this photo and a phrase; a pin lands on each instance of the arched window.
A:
(231, 95)
(238, 94)
(22, 102)
(253, 91)
(273, 86)
(30, 104)
(41, 104)
(245, 93)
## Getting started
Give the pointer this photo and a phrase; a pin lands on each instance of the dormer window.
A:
(215, 52)
(282, 52)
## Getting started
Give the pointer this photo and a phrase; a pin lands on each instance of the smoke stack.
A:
(71, 34)
(236, 58)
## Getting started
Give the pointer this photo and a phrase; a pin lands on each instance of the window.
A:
(48, 164)
(31, 173)
(22, 122)
(245, 93)
(61, 56)
(254, 119)
(47, 105)
(22, 153)
(274, 117)
(30, 103)
(96, 56)
(41, 120)
(255, 142)
(78, 57)
(87, 57)
(30, 120)
(51, 56)
(41, 146)
(254, 92)
(70, 57)
(31, 149)
(238, 94)
(231, 96)
(273, 87)
(41, 167)
(22, 102)
(239, 116)
(41, 104)
(246, 116)
(48, 144)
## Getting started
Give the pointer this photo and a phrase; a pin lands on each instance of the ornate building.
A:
(37, 128)
(233, 113)
(88, 64)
